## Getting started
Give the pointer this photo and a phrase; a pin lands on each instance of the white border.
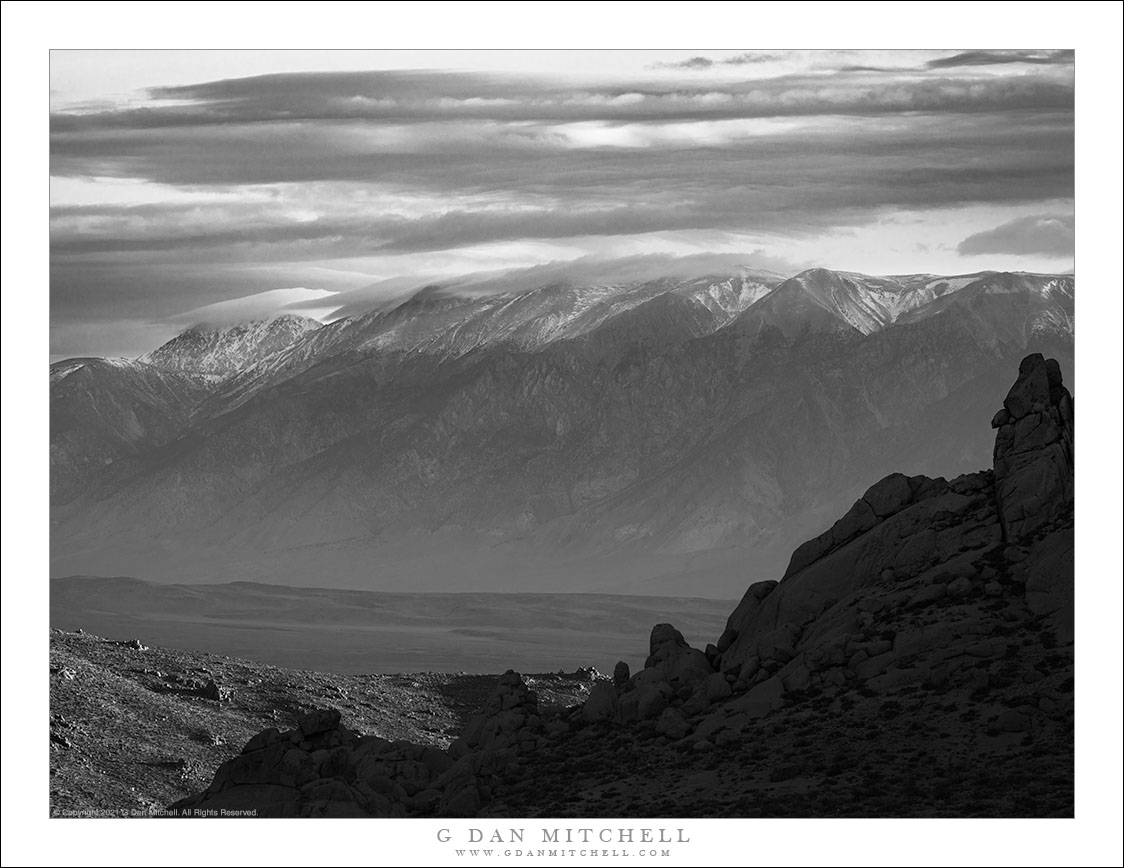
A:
(30, 29)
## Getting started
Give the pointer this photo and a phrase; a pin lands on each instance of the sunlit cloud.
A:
(314, 303)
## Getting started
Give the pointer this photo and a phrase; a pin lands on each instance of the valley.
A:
(358, 632)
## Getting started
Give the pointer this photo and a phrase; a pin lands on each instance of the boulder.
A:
(749, 669)
(650, 702)
(927, 595)
(810, 552)
(664, 640)
(680, 664)
(601, 703)
(889, 495)
(717, 687)
(263, 739)
(672, 724)
(648, 676)
(321, 720)
(644, 703)
(927, 487)
(726, 639)
(761, 699)
(960, 587)
(696, 703)
(859, 518)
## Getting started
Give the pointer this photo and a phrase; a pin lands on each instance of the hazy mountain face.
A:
(639, 437)
(107, 410)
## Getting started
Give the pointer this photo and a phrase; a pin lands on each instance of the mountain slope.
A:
(1015, 306)
(105, 410)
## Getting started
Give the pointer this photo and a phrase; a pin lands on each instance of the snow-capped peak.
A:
(227, 350)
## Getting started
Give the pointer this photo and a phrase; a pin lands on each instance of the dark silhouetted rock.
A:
(889, 495)
(810, 552)
(726, 639)
(1034, 450)
(602, 702)
(717, 687)
(322, 720)
(860, 517)
(680, 664)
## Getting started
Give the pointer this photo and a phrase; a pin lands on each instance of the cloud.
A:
(592, 269)
(1050, 236)
(395, 98)
(689, 63)
(315, 303)
(194, 195)
(330, 201)
(991, 58)
(744, 59)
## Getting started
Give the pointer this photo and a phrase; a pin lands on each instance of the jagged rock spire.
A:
(1034, 449)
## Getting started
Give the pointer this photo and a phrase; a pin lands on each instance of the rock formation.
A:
(320, 768)
(1034, 449)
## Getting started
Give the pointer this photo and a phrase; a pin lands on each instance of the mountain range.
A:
(629, 438)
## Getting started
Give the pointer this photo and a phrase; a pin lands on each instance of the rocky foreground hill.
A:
(916, 659)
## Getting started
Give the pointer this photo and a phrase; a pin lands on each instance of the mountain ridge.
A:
(223, 350)
(661, 432)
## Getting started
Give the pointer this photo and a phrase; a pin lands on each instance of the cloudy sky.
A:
(213, 186)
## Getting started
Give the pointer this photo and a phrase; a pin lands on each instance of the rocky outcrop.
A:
(857, 601)
(909, 542)
(1034, 449)
(321, 768)
(669, 654)
(916, 529)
